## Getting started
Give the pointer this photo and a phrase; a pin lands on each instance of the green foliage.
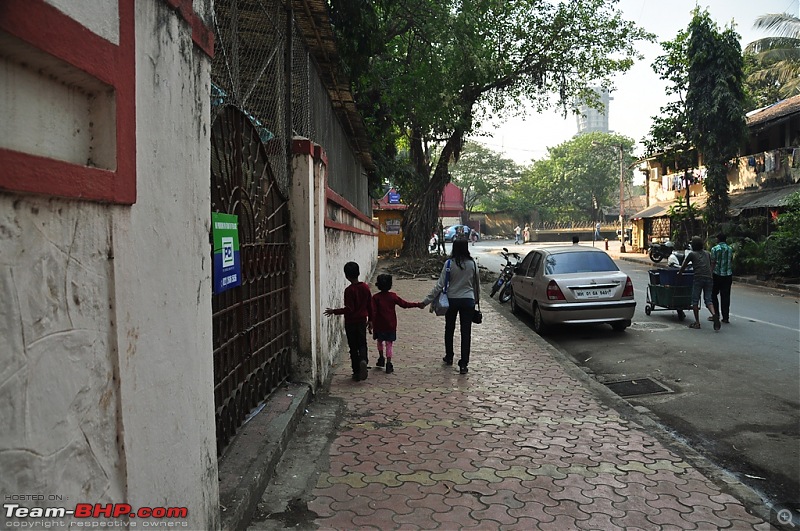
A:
(668, 139)
(783, 246)
(776, 59)
(748, 257)
(684, 215)
(753, 227)
(422, 69)
(775, 255)
(715, 105)
(577, 179)
(485, 177)
(704, 70)
(761, 90)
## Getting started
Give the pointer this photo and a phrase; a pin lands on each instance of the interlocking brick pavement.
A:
(518, 443)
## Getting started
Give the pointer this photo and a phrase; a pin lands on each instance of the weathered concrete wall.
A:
(162, 278)
(320, 253)
(59, 397)
(342, 247)
(106, 373)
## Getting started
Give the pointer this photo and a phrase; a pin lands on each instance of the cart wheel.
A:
(681, 315)
(648, 309)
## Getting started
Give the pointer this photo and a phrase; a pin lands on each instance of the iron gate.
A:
(251, 322)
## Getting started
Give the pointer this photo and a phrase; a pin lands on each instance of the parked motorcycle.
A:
(659, 251)
(503, 282)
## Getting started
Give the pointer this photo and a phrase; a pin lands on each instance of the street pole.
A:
(621, 202)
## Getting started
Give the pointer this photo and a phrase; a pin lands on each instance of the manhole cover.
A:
(637, 387)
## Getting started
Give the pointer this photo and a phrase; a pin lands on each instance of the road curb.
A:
(249, 462)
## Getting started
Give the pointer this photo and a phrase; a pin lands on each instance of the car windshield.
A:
(579, 262)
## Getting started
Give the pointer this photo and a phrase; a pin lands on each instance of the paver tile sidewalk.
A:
(518, 443)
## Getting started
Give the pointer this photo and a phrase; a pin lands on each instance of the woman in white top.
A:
(463, 292)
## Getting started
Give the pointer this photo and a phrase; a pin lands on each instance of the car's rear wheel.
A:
(539, 326)
(620, 326)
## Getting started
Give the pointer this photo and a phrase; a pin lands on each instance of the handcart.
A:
(669, 291)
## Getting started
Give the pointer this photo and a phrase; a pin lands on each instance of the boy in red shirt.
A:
(357, 313)
(384, 319)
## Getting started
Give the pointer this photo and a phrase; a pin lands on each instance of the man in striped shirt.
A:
(722, 266)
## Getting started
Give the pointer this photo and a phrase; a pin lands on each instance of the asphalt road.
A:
(736, 393)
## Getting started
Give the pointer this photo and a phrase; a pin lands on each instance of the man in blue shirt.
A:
(722, 265)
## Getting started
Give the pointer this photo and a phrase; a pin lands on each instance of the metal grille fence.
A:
(266, 88)
(251, 322)
(249, 71)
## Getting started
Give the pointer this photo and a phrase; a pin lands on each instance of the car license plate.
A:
(588, 294)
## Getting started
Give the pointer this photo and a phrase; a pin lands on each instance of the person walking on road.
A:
(701, 261)
(440, 249)
(463, 292)
(384, 319)
(526, 234)
(597, 231)
(517, 232)
(357, 313)
(722, 266)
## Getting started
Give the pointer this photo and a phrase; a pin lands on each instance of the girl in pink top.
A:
(384, 319)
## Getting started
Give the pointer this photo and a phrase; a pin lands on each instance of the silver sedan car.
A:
(572, 285)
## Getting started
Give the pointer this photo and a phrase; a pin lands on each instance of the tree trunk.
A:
(716, 185)
(422, 216)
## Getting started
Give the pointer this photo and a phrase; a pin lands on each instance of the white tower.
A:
(591, 120)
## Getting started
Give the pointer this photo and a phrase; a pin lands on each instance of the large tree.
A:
(427, 70)
(485, 176)
(777, 58)
(761, 87)
(579, 178)
(668, 139)
(715, 105)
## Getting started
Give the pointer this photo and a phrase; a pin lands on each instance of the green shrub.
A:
(748, 257)
(783, 246)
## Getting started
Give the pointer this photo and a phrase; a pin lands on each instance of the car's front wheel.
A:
(539, 326)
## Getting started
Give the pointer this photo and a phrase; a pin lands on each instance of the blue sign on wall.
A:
(394, 198)
(227, 264)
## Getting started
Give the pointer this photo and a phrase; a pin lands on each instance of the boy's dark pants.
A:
(357, 341)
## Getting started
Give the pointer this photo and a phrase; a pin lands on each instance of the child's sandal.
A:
(696, 326)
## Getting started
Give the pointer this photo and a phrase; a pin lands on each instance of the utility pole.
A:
(621, 201)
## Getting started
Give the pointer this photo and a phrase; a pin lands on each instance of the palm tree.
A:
(777, 57)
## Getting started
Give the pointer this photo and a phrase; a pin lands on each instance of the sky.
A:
(638, 93)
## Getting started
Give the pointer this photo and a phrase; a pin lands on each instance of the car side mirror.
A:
(518, 270)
